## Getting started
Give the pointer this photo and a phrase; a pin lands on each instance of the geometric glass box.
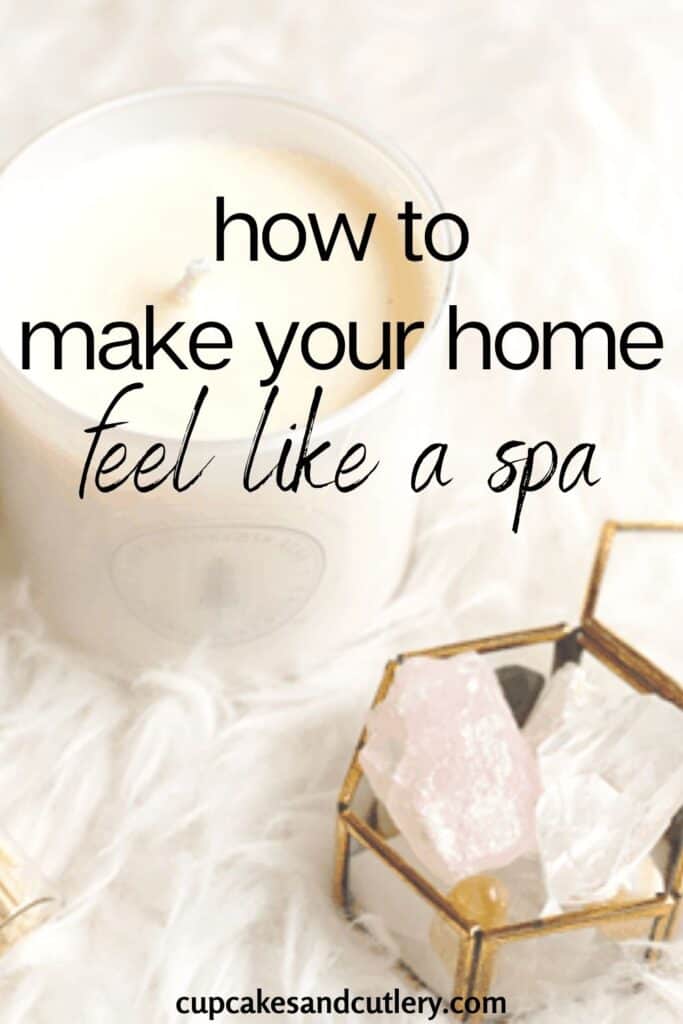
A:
(622, 633)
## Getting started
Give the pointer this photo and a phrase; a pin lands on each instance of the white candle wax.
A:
(119, 232)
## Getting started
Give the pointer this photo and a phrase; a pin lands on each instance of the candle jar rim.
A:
(382, 146)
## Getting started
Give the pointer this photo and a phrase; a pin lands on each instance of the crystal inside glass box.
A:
(552, 916)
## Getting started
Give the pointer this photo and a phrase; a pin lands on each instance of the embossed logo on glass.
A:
(229, 583)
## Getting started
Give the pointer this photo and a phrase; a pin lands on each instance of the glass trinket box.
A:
(516, 948)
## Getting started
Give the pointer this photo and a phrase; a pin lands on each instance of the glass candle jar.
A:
(271, 577)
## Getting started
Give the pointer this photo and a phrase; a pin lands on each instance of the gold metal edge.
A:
(500, 641)
(341, 861)
(647, 675)
(355, 773)
(371, 840)
(628, 663)
(480, 984)
(656, 906)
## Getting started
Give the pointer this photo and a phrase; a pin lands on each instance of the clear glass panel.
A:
(529, 971)
(535, 657)
(403, 921)
(641, 594)
(363, 800)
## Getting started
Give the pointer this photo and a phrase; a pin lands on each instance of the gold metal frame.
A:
(616, 651)
(479, 946)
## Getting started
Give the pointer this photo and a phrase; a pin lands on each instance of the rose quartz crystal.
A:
(445, 755)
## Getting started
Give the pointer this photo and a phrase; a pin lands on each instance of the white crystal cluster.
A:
(612, 774)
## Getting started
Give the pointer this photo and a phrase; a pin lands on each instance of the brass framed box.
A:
(603, 635)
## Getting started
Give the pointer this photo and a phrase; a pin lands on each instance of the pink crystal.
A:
(445, 756)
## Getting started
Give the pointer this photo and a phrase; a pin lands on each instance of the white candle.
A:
(128, 229)
(116, 211)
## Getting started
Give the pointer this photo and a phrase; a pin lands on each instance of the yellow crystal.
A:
(482, 900)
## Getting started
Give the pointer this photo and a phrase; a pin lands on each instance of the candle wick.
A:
(194, 272)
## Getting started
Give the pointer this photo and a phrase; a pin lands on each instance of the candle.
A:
(112, 221)
(123, 231)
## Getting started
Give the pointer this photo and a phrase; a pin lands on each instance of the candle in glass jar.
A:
(114, 213)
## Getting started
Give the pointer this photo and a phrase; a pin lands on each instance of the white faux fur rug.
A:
(188, 816)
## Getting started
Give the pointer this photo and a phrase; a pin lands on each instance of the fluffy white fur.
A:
(188, 816)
